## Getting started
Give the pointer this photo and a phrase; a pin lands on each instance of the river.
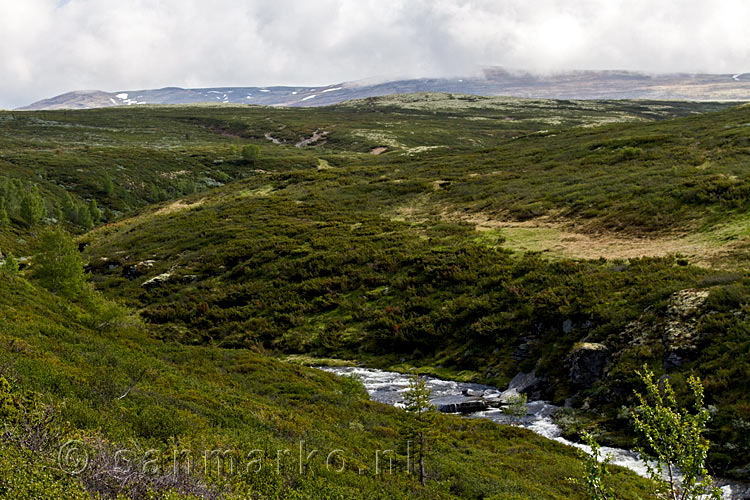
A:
(387, 387)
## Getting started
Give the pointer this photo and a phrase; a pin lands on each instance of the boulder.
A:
(464, 407)
(134, 271)
(587, 362)
(526, 383)
(157, 281)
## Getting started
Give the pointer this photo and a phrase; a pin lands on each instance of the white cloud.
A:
(52, 46)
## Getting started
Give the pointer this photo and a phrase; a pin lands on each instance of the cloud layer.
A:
(52, 46)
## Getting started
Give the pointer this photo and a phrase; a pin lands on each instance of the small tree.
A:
(419, 421)
(58, 265)
(672, 445)
(69, 210)
(516, 407)
(672, 438)
(96, 214)
(596, 471)
(4, 219)
(107, 185)
(84, 218)
(33, 209)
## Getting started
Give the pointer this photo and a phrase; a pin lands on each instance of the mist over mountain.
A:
(492, 82)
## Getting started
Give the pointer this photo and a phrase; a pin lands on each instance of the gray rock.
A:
(521, 352)
(157, 281)
(587, 362)
(132, 272)
(526, 383)
(523, 381)
(464, 407)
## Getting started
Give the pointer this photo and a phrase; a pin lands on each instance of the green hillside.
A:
(80, 358)
(474, 238)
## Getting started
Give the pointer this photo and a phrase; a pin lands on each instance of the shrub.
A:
(10, 265)
(33, 208)
(156, 422)
(250, 153)
(58, 265)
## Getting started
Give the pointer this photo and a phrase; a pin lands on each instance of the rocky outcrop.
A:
(675, 332)
(680, 342)
(587, 362)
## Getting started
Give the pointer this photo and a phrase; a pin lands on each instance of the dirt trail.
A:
(317, 135)
(272, 139)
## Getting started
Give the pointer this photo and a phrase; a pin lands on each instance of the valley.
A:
(229, 250)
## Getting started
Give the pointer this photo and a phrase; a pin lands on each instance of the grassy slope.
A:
(208, 398)
(158, 153)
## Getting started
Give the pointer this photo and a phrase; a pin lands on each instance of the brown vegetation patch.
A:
(559, 239)
(177, 206)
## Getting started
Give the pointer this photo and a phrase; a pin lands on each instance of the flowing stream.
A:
(387, 387)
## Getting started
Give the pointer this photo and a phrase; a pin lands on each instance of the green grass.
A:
(528, 239)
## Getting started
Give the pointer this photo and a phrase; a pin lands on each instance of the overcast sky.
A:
(48, 47)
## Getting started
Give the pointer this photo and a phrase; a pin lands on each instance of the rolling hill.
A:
(492, 82)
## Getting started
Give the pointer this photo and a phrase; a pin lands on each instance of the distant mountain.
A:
(493, 82)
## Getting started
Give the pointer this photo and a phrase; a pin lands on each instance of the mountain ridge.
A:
(610, 84)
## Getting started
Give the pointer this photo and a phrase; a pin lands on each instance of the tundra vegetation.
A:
(209, 248)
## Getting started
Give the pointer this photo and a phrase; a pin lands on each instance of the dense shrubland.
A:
(313, 278)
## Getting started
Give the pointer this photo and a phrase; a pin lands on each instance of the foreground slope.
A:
(112, 386)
